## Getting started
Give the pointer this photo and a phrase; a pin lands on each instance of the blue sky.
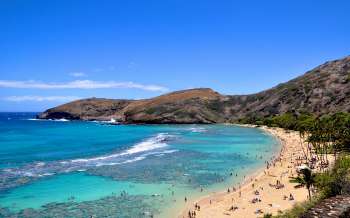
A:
(55, 51)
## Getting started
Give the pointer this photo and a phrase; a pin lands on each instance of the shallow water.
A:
(79, 169)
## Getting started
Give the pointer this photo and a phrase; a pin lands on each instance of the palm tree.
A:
(306, 178)
(304, 126)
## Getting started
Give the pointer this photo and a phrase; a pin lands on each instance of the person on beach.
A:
(191, 214)
(291, 197)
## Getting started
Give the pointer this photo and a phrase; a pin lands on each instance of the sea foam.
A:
(156, 142)
(151, 146)
(56, 120)
(197, 129)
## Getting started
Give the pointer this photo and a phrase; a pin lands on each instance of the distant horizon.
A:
(57, 52)
(20, 111)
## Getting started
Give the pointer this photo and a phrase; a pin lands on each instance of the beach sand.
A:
(272, 199)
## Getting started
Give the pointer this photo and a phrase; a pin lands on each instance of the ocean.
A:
(63, 168)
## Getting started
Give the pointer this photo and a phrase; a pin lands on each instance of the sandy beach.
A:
(266, 191)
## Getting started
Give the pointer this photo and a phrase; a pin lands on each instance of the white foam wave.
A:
(197, 129)
(45, 174)
(60, 120)
(152, 146)
(134, 159)
(56, 120)
(111, 121)
(169, 151)
(29, 174)
(162, 152)
(156, 142)
(39, 164)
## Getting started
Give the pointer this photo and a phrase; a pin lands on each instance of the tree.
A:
(303, 126)
(305, 179)
(267, 215)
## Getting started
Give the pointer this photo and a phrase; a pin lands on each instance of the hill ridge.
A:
(324, 89)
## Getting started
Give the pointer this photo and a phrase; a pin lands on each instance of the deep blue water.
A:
(79, 169)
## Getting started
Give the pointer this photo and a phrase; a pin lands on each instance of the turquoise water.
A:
(79, 169)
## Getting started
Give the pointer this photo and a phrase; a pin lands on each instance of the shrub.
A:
(337, 181)
(298, 209)
(267, 215)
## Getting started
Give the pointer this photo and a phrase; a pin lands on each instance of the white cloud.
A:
(40, 98)
(79, 84)
(77, 74)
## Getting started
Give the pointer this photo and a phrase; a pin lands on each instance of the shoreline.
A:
(258, 185)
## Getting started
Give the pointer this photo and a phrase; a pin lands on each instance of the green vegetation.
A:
(328, 184)
(306, 178)
(150, 110)
(325, 135)
(298, 209)
(336, 181)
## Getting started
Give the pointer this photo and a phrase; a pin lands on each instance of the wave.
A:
(57, 120)
(134, 160)
(61, 120)
(198, 129)
(159, 141)
(111, 121)
(153, 146)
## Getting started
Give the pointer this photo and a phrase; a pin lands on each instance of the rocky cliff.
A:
(325, 89)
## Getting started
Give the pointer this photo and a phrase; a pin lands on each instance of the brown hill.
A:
(325, 89)
(188, 106)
